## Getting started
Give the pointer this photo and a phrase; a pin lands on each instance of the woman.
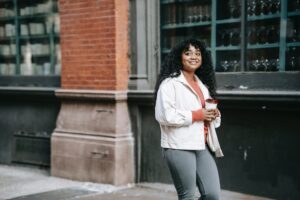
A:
(186, 80)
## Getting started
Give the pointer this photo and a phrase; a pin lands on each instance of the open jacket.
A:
(175, 102)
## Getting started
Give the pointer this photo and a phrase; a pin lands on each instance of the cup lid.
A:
(215, 101)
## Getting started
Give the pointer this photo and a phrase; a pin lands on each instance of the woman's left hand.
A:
(217, 113)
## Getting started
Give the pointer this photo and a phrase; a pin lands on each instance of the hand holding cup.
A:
(211, 105)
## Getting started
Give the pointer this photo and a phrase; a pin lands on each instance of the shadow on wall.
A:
(260, 146)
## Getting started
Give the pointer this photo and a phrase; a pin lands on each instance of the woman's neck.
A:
(189, 76)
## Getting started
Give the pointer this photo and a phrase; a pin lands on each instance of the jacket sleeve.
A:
(217, 121)
(166, 112)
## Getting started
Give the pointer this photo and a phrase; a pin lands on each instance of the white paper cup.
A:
(211, 104)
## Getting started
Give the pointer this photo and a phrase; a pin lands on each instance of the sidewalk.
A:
(27, 183)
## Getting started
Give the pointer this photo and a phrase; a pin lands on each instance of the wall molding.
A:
(91, 94)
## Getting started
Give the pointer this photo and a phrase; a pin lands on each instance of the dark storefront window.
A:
(29, 39)
(253, 35)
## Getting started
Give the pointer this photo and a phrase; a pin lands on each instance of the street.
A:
(29, 183)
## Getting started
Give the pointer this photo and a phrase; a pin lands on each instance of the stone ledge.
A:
(90, 134)
(146, 96)
(109, 95)
(259, 92)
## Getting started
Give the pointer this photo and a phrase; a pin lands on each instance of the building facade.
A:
(77, 81)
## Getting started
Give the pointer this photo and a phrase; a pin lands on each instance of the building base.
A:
(92, 140)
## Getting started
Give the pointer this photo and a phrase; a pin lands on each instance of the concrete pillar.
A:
(93, 140)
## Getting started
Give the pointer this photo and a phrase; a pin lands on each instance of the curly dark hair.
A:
(172, 65)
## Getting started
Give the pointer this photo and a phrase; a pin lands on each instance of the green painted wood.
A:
(185, 25)
(263, 46)
(43, 36)
(5, 19)
(39, 56)
(27, 37)
(243, 20)
(292, 14)
(169, 50)
(264, 17)
(282, 41)
(35, 16)
(228, 21)
(227, 48)
(244, 32)
(166, 50)
(7, 56)
(17, 72)
(17, 20)
(52, 49)
(293, 44)
(167, 1)
(213, 32)
(3, 39)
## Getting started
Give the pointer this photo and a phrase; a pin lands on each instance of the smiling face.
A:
(191, 59)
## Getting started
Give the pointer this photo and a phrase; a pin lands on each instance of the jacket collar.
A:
(182, 79)
(203, 88)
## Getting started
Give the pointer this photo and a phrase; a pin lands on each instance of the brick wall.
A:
(94, 42)
(122, 43)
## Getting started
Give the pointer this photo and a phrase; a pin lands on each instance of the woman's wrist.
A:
(197, 115)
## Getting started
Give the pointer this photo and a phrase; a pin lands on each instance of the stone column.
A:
(93, 140)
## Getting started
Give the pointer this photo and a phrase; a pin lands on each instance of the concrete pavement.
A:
(28, 183)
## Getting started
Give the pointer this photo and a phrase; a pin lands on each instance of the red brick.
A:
(94, 43)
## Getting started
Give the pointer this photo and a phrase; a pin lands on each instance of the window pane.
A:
(228, 36)
(270, 28)
(29, 38)
(184, 19)
(263, 35)
(293, 38)
(7, 39)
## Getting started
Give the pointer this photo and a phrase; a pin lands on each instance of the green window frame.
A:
(211, 20)
(29, 43)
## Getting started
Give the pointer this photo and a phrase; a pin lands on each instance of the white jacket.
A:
(173, 110)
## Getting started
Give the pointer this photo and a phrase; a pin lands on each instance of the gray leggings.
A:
(191, 167)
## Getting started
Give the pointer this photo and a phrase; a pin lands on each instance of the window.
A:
(29, 38)
(242, 36)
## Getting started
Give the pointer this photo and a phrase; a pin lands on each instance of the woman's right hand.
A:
(209, 115)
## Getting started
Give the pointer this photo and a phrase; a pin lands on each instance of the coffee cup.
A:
(211, 104)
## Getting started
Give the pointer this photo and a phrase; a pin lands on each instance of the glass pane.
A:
(228, 61)
(228, 36)
(272, 28)
(57, 57)
(35, 56)
(39, 42)
(32, 47)
(293, 58)
(7, 39)
(228, 9)
(263, 35)
(292, 61)
(228, 47)
(184, 19)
